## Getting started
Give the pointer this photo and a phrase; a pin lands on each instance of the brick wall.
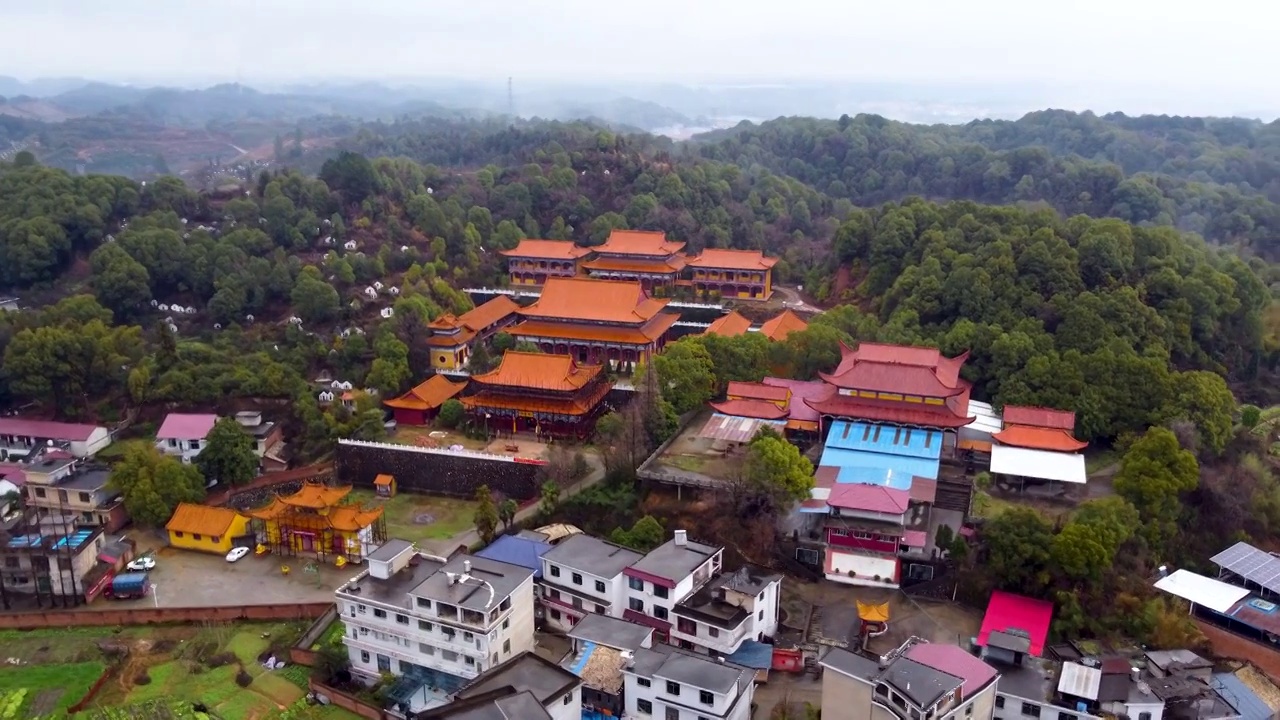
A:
(437, 472)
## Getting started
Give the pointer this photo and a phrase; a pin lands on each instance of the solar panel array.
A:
(1257, 566)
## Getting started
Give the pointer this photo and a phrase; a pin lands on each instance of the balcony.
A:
(434, 662)
(727, 642)
(448, 641)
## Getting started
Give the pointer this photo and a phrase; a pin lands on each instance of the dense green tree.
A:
(120, 282)
(486, 515)
(314, 299)
(152, 485)
(645, 535)
(1087, 545)
(775, 468)
(350, 174)
(1019, 543)
(1154, 475)
(228, 454)
(686, 375)
(1204, 399)
(451, 413)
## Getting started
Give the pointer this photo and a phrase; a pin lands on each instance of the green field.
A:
(450, 515)
(30, 690)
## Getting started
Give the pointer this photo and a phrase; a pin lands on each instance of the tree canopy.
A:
(228, 454)
(152, 485)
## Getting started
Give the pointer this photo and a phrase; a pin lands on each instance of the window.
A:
(84, 497)
(505, 605)
(633, 583)
(1034, 710)
(644, 706)
(999, 701)
(402, 619)
(1144, 716)
(468, 660)
(660, 612)
(364, 656)
(177, 533)
(568, 698)
(555, 594)
(673, 688)
(713, 632)
(424, 625)
(577, 603)
(636, 604)
(555, 570)
(424, 603)
(379, 613)
(686, 626)
(760, 616)
(506, 623)
(659, 591)
(506, 646)
(195, 444)
(361, 608)
(196, 537)
(384, 663)
(1069, 716)
(599, 586)
(706, 698)
(449, 655)
(555, 615)
(599, 609)
(467, 637)
(426, 649)
(216, 538)
(577, 578)
(643, 682)
(673, 714)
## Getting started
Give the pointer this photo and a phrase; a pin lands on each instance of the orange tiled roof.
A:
(452, 341)
(1039, 417)
(546, 249)
(384, 479)
(642, 335)
(427, 395)
(718, 259)
(640, 242)
(345, 518)
(729, 325)
(539, 370)
(750, 408)
(315, 496)
(582, 405)
(447, 321)
(655, 267)
(350, 518)
(489, 314)
(1039, 438)
(201, 519)
(613, 301)
(782, 325)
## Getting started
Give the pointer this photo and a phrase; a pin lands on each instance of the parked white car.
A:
(237, 553)
(142, 564)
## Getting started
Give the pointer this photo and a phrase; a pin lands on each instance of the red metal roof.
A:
(750, 408)
(899, 369)
(1007, 611)
(757, 391)
(186, 426)
(1039, 438)
(847, 407)
(953, 660)
(802, 390)
(869, 498)
(46, 429)
(915, 538)
(546, 249)
(1039, 417)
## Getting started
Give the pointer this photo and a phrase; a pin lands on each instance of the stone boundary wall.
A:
(453, 473)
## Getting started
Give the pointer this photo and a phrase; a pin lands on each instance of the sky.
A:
(1167, 48)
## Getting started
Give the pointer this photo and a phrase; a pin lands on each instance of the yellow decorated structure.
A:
(316, 522)
(206, 528)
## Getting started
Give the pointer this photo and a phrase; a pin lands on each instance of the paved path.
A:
(792, 299)
(471, 538)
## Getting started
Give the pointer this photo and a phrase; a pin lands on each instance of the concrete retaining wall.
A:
(435, 471)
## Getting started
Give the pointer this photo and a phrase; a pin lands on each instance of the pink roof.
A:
(1039, 417)
(915, 538)
(13, 473)
(46, 429)
(1007, 611)
(756, 391)
(953, 660)
(185, 426)
(869, 498)
(802, 390)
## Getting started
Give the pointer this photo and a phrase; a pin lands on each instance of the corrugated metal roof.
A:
(1241, 697)
(878, 469)
(885, 439)
(1080, 681)
(1038, 464)
(736, 429)
(1206, 591)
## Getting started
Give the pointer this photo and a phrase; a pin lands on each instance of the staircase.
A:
(954, 494)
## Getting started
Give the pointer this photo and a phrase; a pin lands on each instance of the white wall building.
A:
(549, 692)
(182, 435)
(583, 575)
(670, 684)
(22, 437)
(439, 622)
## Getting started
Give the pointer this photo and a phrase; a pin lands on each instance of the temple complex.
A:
(743, 274)
(533, 261)
(596, 322)
(314, 522)
(545, 394)
(454, 336)
(420, 405)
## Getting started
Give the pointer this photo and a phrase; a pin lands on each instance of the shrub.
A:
(243, 679)
(142, 679)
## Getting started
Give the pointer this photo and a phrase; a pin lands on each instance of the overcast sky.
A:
(1176, 46)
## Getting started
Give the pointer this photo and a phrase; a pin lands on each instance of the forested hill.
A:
(1218, 178)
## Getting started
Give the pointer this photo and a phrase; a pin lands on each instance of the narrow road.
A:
(792, 299)
(471, 538)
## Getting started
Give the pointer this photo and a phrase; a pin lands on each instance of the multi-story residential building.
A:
(671, 684)
(437, 623)
(22, 438)
(602, 646)
(583, 575)
(733, 608)
(924, 680)
(58, 563)
(182, 435)
(61, 487)
(266, 435)
(665, 576)
(526, 687)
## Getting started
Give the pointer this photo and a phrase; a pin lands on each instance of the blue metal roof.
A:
(752, 654)
(885, 439)
(519, 551)
(1245, 701)
(874, 468)
(580, 664)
